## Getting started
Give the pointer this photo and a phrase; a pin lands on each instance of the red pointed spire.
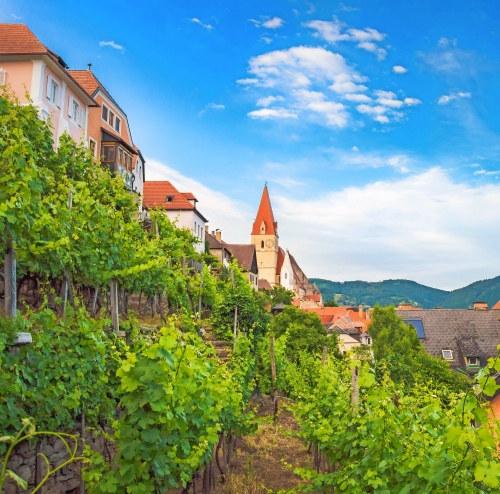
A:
(265, 214)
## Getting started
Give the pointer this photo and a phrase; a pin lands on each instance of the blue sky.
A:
(375, 124)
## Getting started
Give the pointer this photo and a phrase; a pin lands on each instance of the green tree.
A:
(397, 344)
(279, 295)
(304, 331)
(331, 303)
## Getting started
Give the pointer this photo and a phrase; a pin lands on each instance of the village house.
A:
(466, 338)
(350, 323)
(34, 72)
(180, 207)
(217, 247)
(246, 256)
(109, 136)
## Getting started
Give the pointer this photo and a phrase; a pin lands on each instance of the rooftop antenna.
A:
(89, 65)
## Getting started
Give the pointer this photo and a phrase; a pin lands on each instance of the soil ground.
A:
(258, 464)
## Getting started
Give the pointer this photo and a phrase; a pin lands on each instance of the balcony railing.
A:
(119, 162)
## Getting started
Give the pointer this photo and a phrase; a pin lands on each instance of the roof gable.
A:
(265, 214)
(18, 39)
(245, 255)
(155, 196)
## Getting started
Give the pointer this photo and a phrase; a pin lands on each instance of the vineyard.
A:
(147, 383)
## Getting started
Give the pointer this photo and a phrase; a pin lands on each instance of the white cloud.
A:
(346, 8)
(383, 119)
(266, 39)
(213, 106)
(398, 69)
(358, 98)
(268, 100)
(303, 73)
(267, 113)
(197, 21)
(273, 23)
(412, 101)
(423, 227)
(484, 172)
(355, 148)
(16, 17)
(231, 216)
(446, 98)
(287, 182)
(371, 110)
(334, 31)
(112, 44)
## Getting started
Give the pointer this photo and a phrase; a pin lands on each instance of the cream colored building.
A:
(265, 238)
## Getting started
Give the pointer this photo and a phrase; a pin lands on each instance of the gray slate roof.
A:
(466, 332)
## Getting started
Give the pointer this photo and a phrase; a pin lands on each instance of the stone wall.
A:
(24, 462)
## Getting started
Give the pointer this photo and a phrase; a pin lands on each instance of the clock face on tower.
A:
(269, 244)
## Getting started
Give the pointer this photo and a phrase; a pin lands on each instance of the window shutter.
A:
(70, 106)
(2, 77)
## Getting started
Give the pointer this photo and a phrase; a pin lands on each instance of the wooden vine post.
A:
(10, 282)
(354, 393)
(113, 298)
(235, 328)
(325, 355)
(273, 378)
(201, 290)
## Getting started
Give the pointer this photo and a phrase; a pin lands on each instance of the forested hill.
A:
(396, 291)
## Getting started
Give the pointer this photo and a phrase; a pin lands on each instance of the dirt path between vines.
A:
(258, 464)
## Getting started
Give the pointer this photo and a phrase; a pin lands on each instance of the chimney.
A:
(206, 228)
(360, 311)
(369, 312)
(218, 235)
(480, 305)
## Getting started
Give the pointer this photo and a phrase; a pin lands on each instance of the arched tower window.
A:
(262, 228)
(262, 244)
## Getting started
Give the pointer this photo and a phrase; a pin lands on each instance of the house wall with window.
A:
(286, 275)
(191, 220)
(52, 91)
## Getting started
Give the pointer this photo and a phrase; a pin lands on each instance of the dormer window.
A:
(170, 198)
(447, 354)
(472, 362)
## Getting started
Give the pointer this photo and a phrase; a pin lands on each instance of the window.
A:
(117, 124)
(111, 119)
(262, 244)
(170, 198)
(105, 113)
(108, 153)
(286, 274)
(92, 146)
(418, 325)
(447, 354)
(53, 91)
(472, 361)
(75, 111)
(2, 77)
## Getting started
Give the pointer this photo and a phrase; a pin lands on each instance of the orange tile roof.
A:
(155, 196)
(333, 314)
(316, 297)
(497, 305)
(264, 285)
(86, 79)
(18, 39)
(265, 214)
(189, 196)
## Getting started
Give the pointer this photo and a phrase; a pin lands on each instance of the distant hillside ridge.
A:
(405, 291)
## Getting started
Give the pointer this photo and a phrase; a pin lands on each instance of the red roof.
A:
(155, 196)
(18, 39)
(281, 259)
(264, 285)
(316, 297)
(86, 79)
(189, 196)
(497, 305)
(265, 214)
(333, 314)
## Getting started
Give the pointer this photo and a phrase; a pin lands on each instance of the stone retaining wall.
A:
(24, 462)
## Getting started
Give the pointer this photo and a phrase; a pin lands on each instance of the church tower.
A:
(265, 238)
